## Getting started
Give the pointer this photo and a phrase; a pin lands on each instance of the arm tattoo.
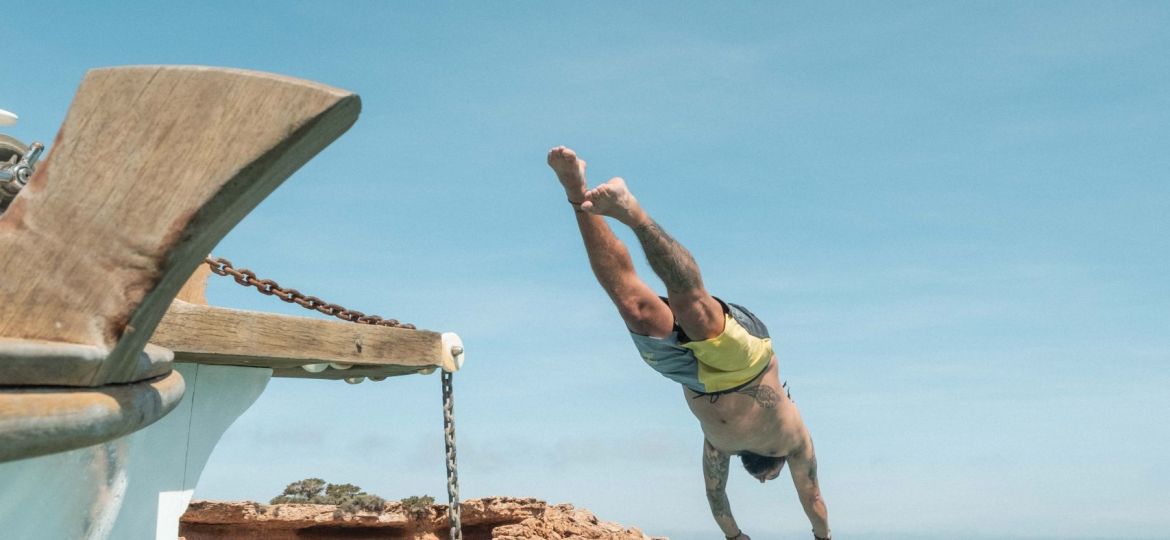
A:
(764, 395)
(672, 262)
(812, 470)
(720, 507)
(715, 468)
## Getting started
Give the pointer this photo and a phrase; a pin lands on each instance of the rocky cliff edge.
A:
(495, 518)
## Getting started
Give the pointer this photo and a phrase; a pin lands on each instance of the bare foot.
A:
(570, 171)
(614, 199)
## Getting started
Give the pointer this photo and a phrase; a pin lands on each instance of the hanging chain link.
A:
(454, 511)
(247, 278)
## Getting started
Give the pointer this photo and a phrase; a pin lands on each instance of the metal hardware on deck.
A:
(14, 175)
(453, 509)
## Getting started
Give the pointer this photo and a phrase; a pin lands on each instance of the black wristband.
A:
(737, 535)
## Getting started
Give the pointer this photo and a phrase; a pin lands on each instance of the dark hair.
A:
(757, 464)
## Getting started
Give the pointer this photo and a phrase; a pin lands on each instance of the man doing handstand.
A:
(719, 351)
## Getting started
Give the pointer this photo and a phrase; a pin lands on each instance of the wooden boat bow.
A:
(151, 168)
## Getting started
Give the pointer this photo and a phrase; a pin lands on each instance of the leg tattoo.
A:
(672, 262)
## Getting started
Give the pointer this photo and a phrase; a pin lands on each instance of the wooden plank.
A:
(215, 335)
(151, 168)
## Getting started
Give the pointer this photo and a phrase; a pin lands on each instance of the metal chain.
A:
(247, 278)
(453, 509)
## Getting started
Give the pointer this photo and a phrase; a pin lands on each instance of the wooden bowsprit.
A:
(298, 346)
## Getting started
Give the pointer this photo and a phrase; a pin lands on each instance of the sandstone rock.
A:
(564, 521)
(492, 518)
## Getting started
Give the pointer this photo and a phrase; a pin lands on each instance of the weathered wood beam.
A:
(216, 335)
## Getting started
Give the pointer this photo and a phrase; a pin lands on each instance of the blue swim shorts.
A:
(733, 358)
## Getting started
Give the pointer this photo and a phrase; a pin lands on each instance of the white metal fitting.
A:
(453, 352)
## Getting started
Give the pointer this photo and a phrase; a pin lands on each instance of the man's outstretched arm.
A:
(803, 466)
(715, 465)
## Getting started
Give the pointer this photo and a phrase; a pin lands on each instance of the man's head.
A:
(763, 468)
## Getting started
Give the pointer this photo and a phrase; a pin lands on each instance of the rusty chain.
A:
(247, 278)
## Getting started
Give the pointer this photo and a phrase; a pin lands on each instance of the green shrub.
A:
(417, 504)
(418, 507)
(307, 491)
(341, 491)
(348, 498)
(361, 501)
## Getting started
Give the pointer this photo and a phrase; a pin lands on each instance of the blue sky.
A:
(952, 216)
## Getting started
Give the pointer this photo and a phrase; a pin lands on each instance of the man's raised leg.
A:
(699, 314)
(640, 308)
